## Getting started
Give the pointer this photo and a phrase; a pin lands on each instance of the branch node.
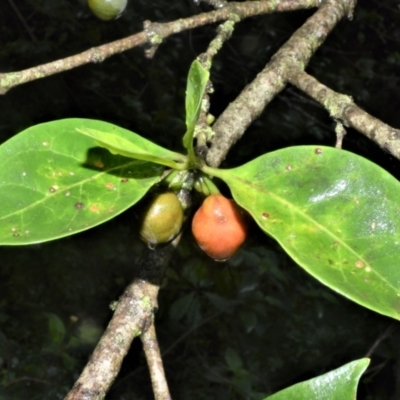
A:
(96, 56)
(153, 32)
(340, 133)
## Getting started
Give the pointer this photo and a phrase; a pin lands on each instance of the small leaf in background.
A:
(335, 213)
(89, 332)
(196, 86)
(181, 307)
(219, 302)
(55, 182)
(129, 144)
(233, 359)
(249, 320)
(340, 384)
(56, 328)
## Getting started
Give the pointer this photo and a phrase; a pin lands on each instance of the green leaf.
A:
(338, 384)
(129, 144)
(181, 307)
(55, 182)
(335, 213)
(196, 86)
(56, 328)
(233, 359)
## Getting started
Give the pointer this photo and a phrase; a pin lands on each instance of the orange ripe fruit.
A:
(219, 227)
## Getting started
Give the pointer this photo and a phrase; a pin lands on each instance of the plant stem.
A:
(155, 364)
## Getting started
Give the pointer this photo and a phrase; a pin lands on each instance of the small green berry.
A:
(162, 220)
(107, 10)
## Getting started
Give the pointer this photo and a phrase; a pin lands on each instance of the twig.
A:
(155, 364)
(190, 331)
(380, 339)
(22, 19)
(298, 50)
(135, 308)
(25, 378)
(173, 345)
(203, 131)
(153, 35)
(342, 108)
(340, 134)
(133, 315)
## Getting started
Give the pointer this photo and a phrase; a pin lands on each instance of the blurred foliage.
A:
(238, 330)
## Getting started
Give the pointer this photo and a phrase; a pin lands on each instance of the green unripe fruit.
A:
(162, 220)
(107, 9)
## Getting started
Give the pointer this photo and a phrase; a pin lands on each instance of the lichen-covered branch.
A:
(153, 35)
(293, 55)
(343, 108)
(133, 315)
(134, 310)
(203, 131)
(154, 361)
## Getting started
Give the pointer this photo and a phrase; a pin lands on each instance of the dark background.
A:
(238, 330)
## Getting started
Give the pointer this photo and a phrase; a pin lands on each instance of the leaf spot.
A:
(16, 234)
(45, 144)
(356, 200)
(335, 244)
(373, 225)
(24, 174)
(124, 180)
(68, 194)
(13, 229)
(78, 206)
(53, 189)
(318, 151)
(110, 186)
(359, 264)
(265, 215)
(368, 269)
(94, 208)
(288, 167)
(72, 173)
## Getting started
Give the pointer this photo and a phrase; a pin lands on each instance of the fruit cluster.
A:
(219, 225)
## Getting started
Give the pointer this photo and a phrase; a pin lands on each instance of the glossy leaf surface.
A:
(129, 144)
(335, 213)
(338, 384)
(55, 182)
(196, 86)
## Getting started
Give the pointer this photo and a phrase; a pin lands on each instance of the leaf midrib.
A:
(59, 192)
